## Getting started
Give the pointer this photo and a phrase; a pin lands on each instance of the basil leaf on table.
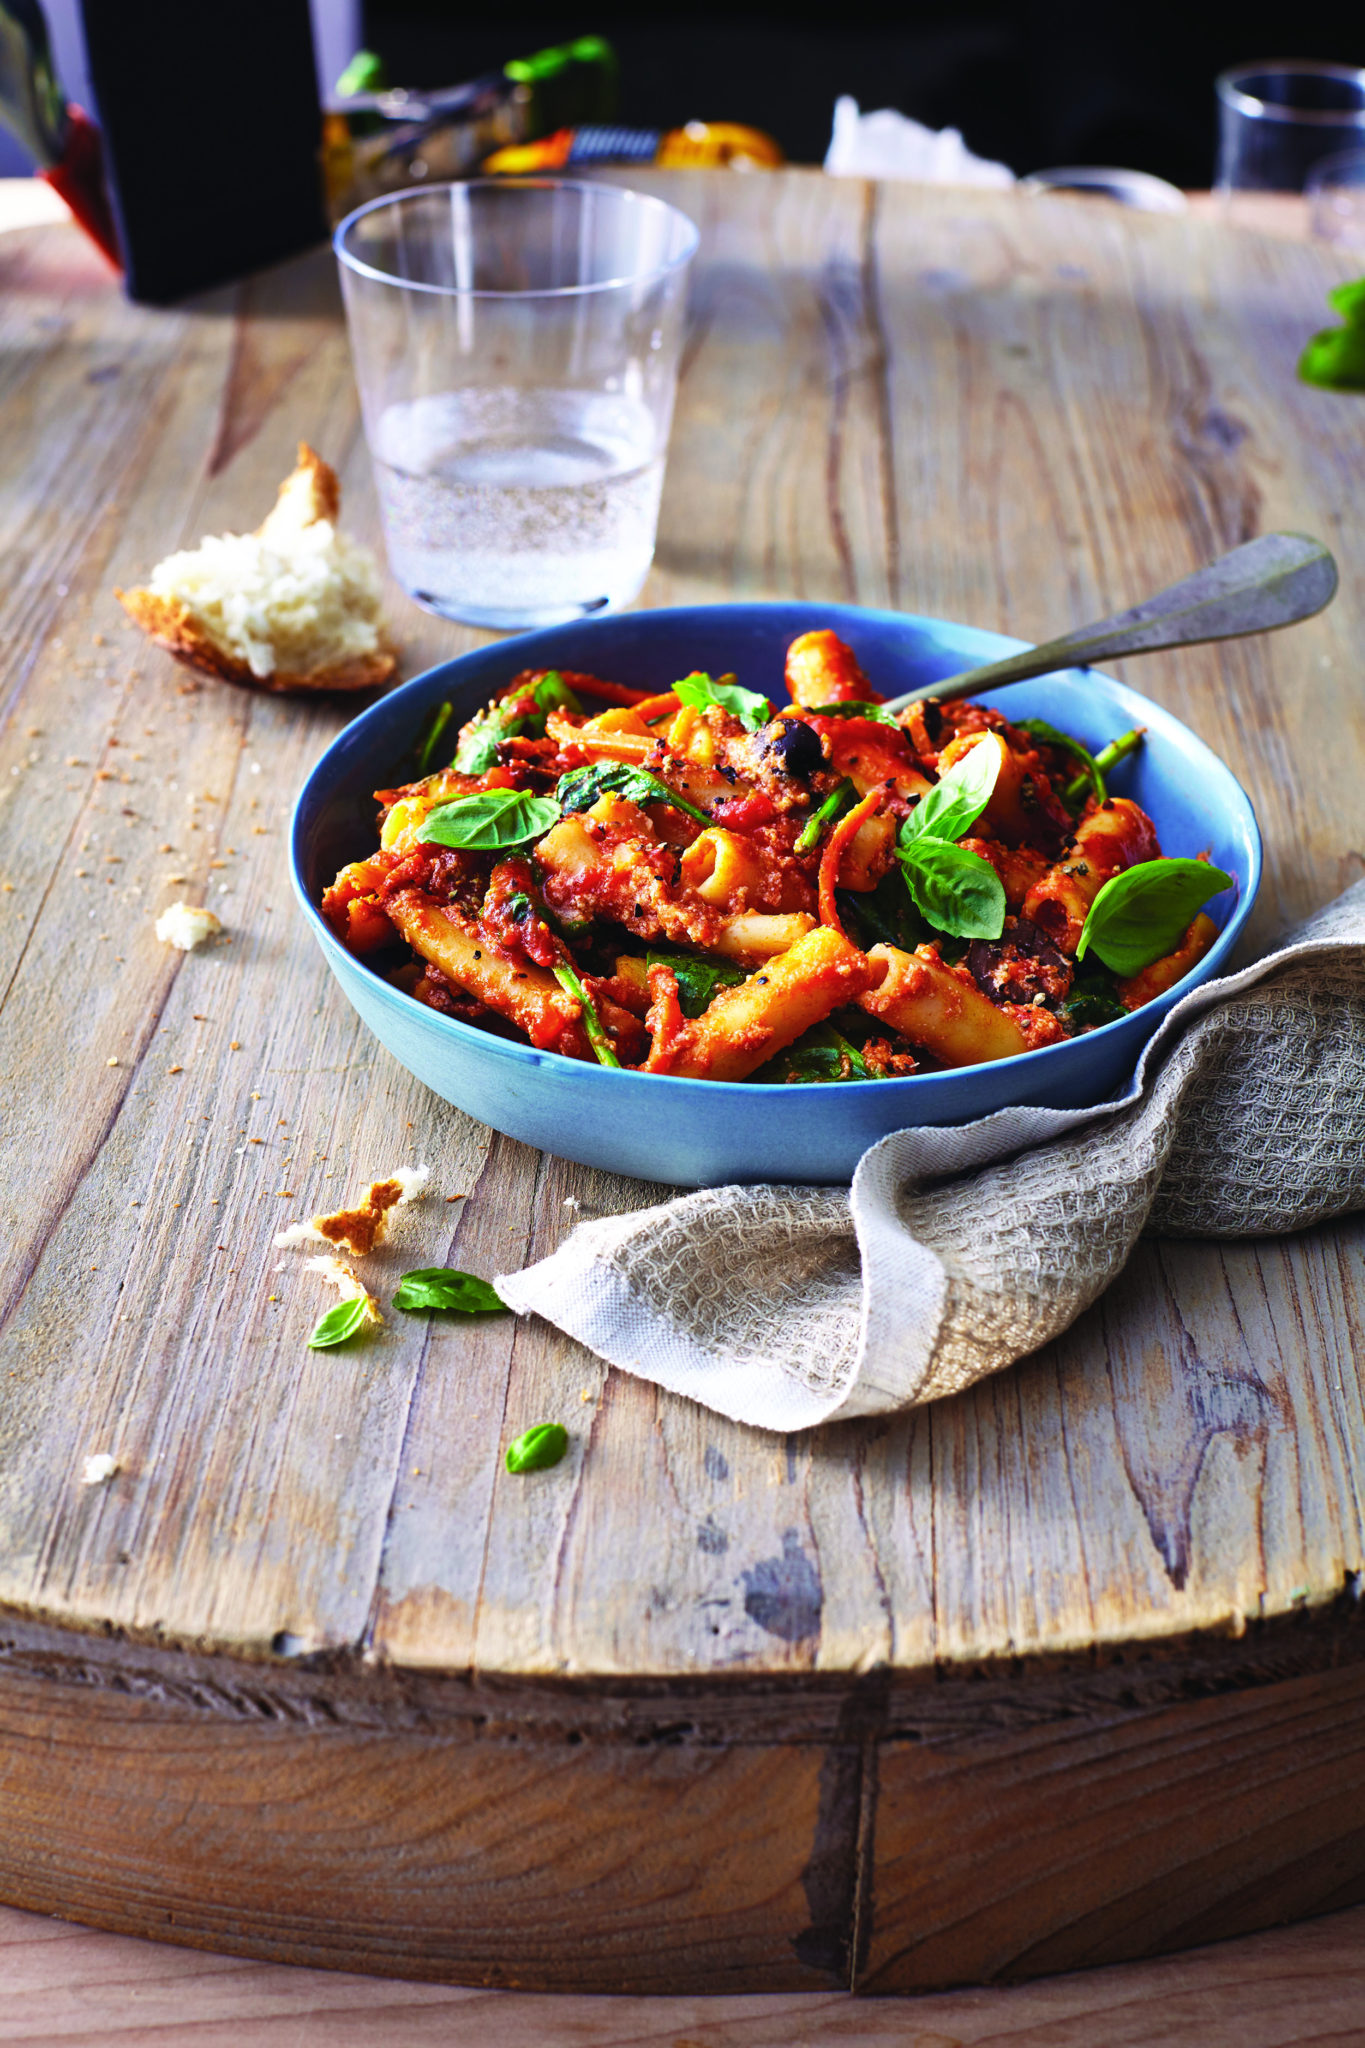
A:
(1335, 358)
(505, 719)
(954, 889)
(536, 1449)
(344, 1320)
(957, 799)
(581, 787)
(1039, 729)
(1140, 915)
(442, 1288)
(699, 691)
(876, 712)
(697, 980)
(489, 820)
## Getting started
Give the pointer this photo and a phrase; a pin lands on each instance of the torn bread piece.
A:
(360, 1229)
(348, 1286)
(99, 1467)
(293, 606)
(186, 925)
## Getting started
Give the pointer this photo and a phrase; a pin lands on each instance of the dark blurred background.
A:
(1039, 83)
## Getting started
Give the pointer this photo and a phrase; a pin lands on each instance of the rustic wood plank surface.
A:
(1300, 1987)
(1017, 413)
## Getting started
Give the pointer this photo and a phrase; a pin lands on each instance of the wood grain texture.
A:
(1301, 1987)
(1019, 413)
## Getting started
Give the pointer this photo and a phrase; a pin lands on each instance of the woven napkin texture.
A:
(958, 1250)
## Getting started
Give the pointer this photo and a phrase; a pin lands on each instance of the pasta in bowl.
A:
(627, 886)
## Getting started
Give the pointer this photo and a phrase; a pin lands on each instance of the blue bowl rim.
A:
(995, 645)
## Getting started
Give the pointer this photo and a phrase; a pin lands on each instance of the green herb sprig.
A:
(952, 888)
(507, 718)
(1335, 357)
(1140, 915)
(1091, 778)
(341, 1322)
(489, 820)
(592, 1023)
(1108, 757)
(813, 829)
(537, 1449)
(443, 1290)
(876, 712)
(697, 980)
(700, 691)
(820, 1055)
(431, 735)
(580, 789)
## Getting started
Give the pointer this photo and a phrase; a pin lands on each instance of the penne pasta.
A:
(744, 1027)
(944, 1012)
(600, 879)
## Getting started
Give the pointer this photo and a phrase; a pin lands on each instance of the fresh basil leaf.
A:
(957, 799)
(505, 719)
(443, 1288)
(1140, 915)
(821, 1054)
(1039, 729)
(581, 787)
(552, 693)
(1093, 999)
(1335, 358)
(535, 1450)
(747, 706)
(344, 1320)
(876, 712)
(954, 889)
(1349, 300)
(430, 738)
(489, 820)
(697, 979)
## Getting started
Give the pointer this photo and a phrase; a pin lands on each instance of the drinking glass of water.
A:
(1276, 122)
(516, 347)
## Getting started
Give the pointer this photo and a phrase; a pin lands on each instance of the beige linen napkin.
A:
(958, 1250)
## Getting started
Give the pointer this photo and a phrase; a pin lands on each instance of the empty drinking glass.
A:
(1336, 199)
(516, 347)
(1276, 121)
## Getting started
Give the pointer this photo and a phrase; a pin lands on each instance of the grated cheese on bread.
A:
(293, 606)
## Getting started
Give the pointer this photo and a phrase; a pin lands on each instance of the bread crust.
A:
(171, 623)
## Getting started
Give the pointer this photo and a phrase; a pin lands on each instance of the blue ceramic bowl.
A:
(704, 1133)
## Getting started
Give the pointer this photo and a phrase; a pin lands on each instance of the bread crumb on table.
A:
(348, 1286)
(98, 1468)
(360, 1229)
(186, 925)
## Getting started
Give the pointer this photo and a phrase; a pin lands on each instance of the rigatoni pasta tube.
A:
(721, 867)
(744, 1026)
(526, 995)
(916, 994)
(1117, 836)
(761, 934)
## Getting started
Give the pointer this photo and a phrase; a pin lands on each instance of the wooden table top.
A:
(1015, 413)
